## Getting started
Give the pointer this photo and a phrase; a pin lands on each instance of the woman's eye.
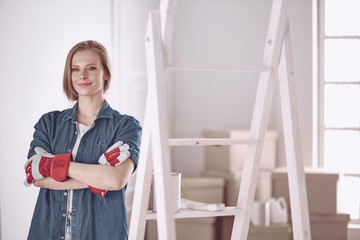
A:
(75, 69)
(92, 68)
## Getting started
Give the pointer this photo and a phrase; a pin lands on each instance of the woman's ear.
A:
(106, 83)
(106, 77)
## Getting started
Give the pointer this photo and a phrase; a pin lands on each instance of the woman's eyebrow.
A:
(74, 65)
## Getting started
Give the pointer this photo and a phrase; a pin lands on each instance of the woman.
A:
(82, 157)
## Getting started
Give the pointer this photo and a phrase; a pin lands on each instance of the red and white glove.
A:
(44, 164)
(114, 156)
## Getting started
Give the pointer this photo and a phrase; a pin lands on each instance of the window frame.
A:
(321, 83)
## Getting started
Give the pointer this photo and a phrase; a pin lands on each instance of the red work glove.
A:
(114, 156)
(44, 164)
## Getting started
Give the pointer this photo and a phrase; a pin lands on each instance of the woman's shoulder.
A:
(120, 116)
(124, 119)
(57, 114)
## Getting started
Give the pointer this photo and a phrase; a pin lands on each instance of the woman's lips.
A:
(84, 84)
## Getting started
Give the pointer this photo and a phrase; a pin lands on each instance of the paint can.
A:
(260, 213)
(175, 192)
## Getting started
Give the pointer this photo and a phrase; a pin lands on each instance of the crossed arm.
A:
(98, 176)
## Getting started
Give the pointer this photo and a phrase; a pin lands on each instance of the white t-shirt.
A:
(82, 129)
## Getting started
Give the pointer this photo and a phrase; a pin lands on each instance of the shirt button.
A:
(69, 150)
(65, 193)
(64, 214)
(75, 132)
(62, 237)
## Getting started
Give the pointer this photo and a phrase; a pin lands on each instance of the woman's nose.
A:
(83, 74)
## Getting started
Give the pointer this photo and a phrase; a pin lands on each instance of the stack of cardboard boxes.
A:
(325, 221)
(227, 162)
(220, 183)
(200, 189)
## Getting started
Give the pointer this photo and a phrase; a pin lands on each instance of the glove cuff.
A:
(98, 191)
(60, 166)
(35, 167)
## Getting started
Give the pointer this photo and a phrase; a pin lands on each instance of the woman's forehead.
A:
(86, 57)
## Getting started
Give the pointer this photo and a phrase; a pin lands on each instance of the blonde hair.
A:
(68, 88)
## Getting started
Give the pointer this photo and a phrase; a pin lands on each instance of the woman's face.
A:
(87, 74)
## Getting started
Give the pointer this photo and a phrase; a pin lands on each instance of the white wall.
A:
(35, 38)
(232, 32)
(132, 19)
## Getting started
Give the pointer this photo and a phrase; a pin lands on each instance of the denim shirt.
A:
(92, 217)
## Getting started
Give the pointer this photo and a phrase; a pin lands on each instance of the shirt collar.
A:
(105, 112)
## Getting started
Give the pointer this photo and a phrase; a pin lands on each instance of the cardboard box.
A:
(271, 232)
(201, 189)
(187, 229)
(353, 231)
(321, 189)
(231, 158)
(232, 185)
(329, 226)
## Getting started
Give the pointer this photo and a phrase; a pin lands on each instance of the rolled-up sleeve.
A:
(130, 133)
(41, 136)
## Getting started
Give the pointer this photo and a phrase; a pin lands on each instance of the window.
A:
(339, 97)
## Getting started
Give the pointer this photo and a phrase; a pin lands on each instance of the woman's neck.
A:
(88, 108)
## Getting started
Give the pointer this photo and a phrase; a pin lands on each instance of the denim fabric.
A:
(92, 217)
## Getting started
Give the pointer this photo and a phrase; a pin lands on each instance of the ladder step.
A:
(187, 213)
(217, 68)
(210, 141)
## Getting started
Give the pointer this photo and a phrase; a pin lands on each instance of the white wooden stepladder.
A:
(154, 153)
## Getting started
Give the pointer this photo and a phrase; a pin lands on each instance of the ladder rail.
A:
(210, 141)
(292, 139)
(217, 68)
(143, 181)
(159, 137)
(261, 114)
(167, 21)
(184, 213)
